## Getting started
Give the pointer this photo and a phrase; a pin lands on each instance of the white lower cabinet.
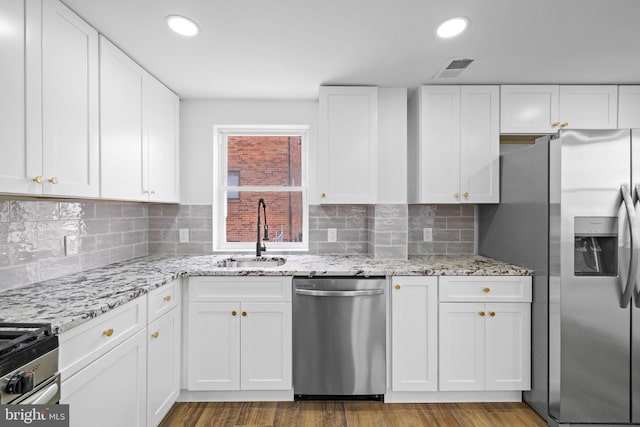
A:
(239, 337)
(414, 320)
(484, 346)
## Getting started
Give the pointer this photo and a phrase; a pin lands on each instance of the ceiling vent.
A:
(453, 68)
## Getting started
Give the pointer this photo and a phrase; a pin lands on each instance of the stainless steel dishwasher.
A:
(339, 338)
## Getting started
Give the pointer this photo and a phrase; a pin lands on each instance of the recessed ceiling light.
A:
(181, 25)
(452, 27)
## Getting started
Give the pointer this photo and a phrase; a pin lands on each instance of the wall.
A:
(32, 237)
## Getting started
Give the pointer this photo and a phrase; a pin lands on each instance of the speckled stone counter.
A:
(71, 300)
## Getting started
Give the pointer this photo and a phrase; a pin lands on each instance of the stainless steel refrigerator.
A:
(567, 210)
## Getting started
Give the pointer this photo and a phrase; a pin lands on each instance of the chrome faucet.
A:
(260, 246)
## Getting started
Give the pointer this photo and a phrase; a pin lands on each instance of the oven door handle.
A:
(313, 293)
(44, 396)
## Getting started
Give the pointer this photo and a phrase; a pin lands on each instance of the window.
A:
(254, 162)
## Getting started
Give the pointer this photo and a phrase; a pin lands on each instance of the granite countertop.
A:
(69, 301)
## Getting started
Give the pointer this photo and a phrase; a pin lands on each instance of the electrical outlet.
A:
(71, 245)
(183, 235)
(427, 234)
(332, 235)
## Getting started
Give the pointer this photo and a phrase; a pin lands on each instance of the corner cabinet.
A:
(58, 80)
(239, 333)
(454, 145)
(139, 151)
(485, 333)
(414, 332)
(544, 109)
(348, 152)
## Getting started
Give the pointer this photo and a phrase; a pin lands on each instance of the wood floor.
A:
(351, 414)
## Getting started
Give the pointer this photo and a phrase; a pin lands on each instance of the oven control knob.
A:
(21, 382)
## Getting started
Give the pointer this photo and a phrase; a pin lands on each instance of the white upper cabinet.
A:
(535, 109)
(629, 107)
(454, 145)
(52, 92)
(70, 144)
(139, 142)
(348, 171)
(121, 136)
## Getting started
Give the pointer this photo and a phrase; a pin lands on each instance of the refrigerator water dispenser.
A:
(595, 246)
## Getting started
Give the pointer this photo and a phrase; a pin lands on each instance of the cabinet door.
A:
(589, 107)
(439, 176)
(479, 144)
(529, 108)
(508, 346)
(462, 346)
(213, 361)
(69, 103)
(120, 125)
(348, 144)
(629, 107)
(414, 334)
(112, 390)
(17, 165)
(266, 349)
(163, 365)
(161, 109)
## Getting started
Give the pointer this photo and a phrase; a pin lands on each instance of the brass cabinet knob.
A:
(457, 195)
(53, 180)
(38, 179)
(234, 313)
(555, 124)
(481, 314)
(108, 332)
(486, 290)
(466, 194)
(492, 313)
(152, 192)
(397, 286)
(155, 335)
(244, 314)
(167, 298)
(565, 124)
(323, 195)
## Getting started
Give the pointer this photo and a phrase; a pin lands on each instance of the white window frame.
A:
(220, 186)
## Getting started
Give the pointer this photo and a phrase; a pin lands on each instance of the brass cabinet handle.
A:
(457, 195)
(466, 194)
(492, 313)
(38, 179)
(167, 298)
(155, 335)
(244, 314)
(481, 314)
(234, 313)
(108, 332)
(486, 290)
(323, 195)
(53, 180)
(397, 286)
(152, 192)
(565, 124)
(555, 124)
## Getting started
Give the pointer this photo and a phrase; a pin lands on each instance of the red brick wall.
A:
(265, 161)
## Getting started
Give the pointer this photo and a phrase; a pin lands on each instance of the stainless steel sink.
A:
(255, 262)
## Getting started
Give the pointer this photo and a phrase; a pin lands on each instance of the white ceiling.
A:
(285, 49)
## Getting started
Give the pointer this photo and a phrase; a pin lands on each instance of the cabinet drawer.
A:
(86, 343)
(163, 299)
(484, 288)
(236, 288)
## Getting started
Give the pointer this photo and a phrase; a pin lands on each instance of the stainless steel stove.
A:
(28, 364)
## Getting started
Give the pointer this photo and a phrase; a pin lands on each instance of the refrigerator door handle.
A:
(635, 246)
(636, 293)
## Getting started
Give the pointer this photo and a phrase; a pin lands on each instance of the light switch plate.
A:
(183, 235)
(427, 234)
(71, 245)
(332, 235)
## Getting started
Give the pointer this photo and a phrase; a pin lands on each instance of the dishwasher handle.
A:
(364, 293)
